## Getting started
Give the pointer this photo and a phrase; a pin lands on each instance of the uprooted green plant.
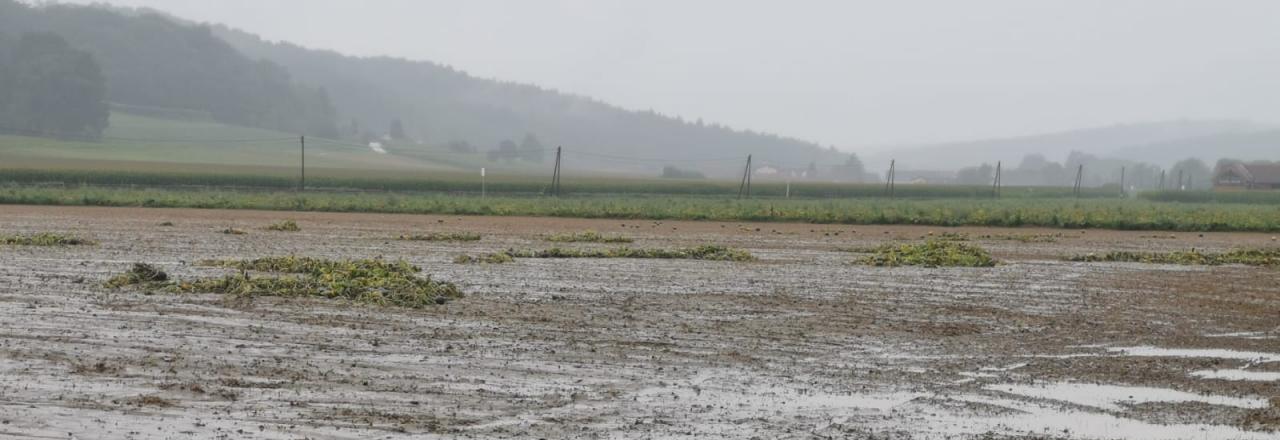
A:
(588, 237)
(932, 253)
(284, 226)
(1025, 238)
(442, 236)
(369, 281)
(140, 273)
(704, 252)
(494, 258)
(44, 239)
(1250, 257)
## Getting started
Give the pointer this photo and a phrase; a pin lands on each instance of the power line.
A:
(645, 159)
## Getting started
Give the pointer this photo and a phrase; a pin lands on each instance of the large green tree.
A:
(155, 62)
(50, 88)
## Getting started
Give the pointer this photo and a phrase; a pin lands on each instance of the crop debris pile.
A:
(704, 252)
(1250, 257)
(1025, 238)
(442, 236)
(494, 258)
(932, 253)
(589, 237)
(44, 239)
(369, 281)
(140, 273)
(284, 226)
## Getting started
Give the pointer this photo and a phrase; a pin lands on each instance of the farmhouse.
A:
(1247, 176)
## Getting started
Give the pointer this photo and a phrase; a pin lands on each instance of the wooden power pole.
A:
(995, 185)
(744, 190)
(555, 175)
(302, 175)
(889, 184)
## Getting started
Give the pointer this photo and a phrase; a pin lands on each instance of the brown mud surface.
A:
(800, 344)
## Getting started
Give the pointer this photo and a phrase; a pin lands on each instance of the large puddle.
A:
(1145, 351)
(1240, 374)
(1115, 397)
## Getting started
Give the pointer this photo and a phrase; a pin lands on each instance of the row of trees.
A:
(151, 61)
(48, 88)
(529, 150)
(1036, 170)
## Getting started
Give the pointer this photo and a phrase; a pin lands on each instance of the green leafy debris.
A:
(442, 236)
(589, 237)
(705, 252)
(1250, 257)
(140, 273)
(494, 258)
(369, 281)
(284, 226)
(44, 239)
(932, 253)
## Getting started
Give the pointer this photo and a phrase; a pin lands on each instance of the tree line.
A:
(148, 60)
(48, 88)
(1036, 170)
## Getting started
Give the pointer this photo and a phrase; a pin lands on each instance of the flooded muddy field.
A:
(799, 344)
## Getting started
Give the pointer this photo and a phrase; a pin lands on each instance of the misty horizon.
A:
(915, 79)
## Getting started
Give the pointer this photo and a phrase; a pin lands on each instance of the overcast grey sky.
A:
(852, 73)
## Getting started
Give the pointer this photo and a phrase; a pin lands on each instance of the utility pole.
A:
(1122, 182)
(1162, 180)
(1180, 187)
(482, 183)
(555, 175)
(889, 185)
(302, 180)
(995, 185)
(1079, 180)
(745, 187)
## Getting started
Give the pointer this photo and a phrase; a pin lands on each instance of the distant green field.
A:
(450, 181)
(132, 141)
(1073, 214)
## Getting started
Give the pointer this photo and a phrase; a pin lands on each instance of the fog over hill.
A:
(153, 60)
(894, 86)
(1157, 143)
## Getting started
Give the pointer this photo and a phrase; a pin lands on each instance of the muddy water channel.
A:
(799, 344)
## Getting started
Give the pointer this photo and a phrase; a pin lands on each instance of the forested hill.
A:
(151, 61)
(441, 105)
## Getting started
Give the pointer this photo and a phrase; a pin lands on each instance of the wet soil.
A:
(800, 344)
